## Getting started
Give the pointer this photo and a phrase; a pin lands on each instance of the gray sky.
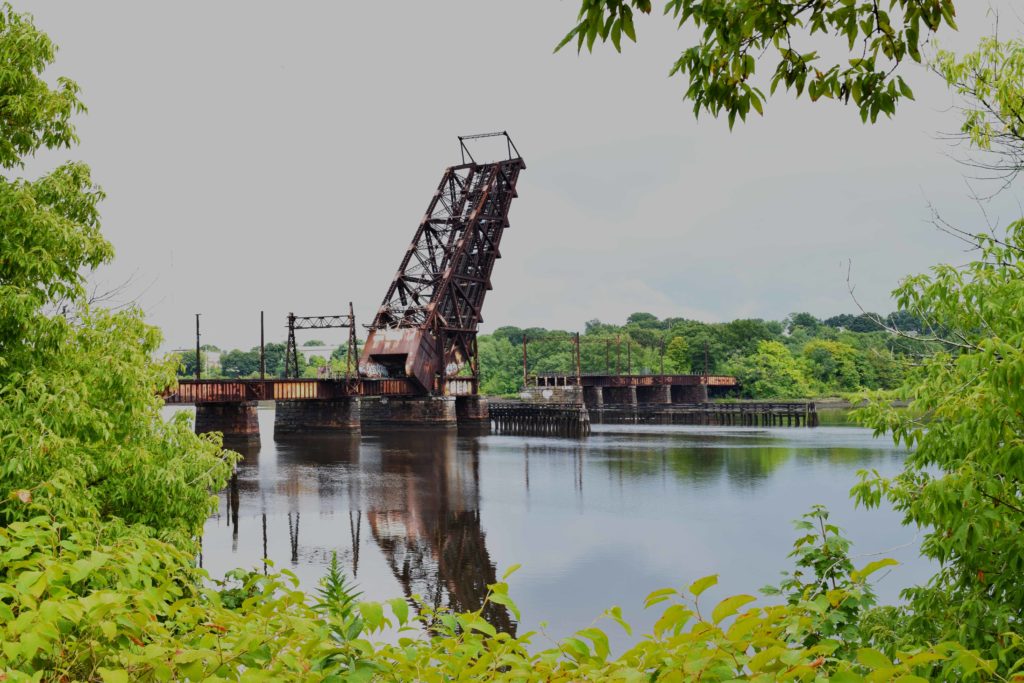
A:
(279, 157)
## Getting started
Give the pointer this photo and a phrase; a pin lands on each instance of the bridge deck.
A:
(597, 380)
(195, 391)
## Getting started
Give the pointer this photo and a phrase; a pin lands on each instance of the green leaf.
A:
(702, 584)
(400, 608)
(730, 606)
(873, 659)
(113, 675)
(871, 568)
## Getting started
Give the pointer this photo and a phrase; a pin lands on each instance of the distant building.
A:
(318, 351)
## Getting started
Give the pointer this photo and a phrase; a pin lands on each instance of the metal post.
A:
(351, 342)
(263, 351)
(199, 361)
(524, 361)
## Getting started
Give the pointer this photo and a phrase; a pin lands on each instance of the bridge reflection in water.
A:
(406, 492)
(595, 522)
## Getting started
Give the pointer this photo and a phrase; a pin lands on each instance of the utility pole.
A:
(579, 362)
(263, 352)
(524, 360)
(199, 361)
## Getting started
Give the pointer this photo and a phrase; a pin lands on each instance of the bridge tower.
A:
(425, 329)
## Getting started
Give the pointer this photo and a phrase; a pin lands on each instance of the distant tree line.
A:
(236, 363)
(800, 356)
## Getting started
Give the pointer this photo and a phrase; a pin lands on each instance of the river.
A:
(595, 522)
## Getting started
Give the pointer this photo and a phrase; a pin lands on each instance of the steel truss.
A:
(440, 285)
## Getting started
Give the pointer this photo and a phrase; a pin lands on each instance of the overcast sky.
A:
(280, 156)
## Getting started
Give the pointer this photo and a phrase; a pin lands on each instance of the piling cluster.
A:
(556, 419)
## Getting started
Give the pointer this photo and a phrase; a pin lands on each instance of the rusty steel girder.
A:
(426, 326)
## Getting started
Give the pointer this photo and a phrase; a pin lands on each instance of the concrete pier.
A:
(236, 421)
(336, 415)
(408, 411)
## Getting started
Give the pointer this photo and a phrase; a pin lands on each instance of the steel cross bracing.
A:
(440, 285)
(319, 322)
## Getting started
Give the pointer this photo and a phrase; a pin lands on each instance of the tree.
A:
(236, 363)
(677, 356)
(802, 320)
(963, 481)
(501, 370)
(273, 354)
(834, 364)
(990, 80)
(187, 363)
(314, 342)
(643, 320)
(83, 437)
(735, 35)
(771, 372)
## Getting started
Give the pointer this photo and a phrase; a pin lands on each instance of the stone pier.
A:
(593, 397)
(620, 396)
(236, 421)
(472, 410)
(695, 393)
(660, 395)
(408, 411)
(336, 415)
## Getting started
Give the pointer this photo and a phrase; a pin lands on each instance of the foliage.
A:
(833, 364)
(772, 372)
(79, 604)
(825, 575)
(81, 433)
(991, 79)
(878, 38)
(962, 483)
(831, 359)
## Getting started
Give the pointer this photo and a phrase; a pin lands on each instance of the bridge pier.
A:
(660, 394)
(235, 420)
(593, 397)
(472, 410)
(692, 393)
(621, 396)
(408, 411)
(324, 415)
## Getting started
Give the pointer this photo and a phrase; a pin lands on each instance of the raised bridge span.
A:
(420, 364)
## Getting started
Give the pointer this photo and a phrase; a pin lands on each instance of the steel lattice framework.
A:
(318, 322)
(426, 326)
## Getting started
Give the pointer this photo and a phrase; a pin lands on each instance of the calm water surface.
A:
(595, 523)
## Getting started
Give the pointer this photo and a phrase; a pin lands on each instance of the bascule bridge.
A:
(419, 365)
